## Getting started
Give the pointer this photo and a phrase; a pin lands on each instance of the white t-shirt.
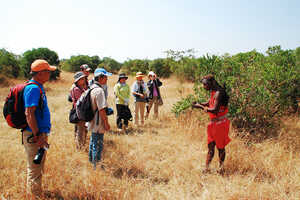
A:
(98, 102)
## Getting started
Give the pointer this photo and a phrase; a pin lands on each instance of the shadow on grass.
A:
(136, 173)
(129, 131)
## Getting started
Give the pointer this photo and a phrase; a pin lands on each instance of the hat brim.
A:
(101, 73)
(80, 77)
(123, 77)
(140, 76)
(52, 68)
(88, 69)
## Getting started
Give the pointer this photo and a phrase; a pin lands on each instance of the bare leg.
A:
(210, 154)
(222, 155)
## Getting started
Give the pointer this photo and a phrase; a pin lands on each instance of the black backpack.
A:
(84, 107)
(14, 109)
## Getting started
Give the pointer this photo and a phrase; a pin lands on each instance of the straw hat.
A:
(139, 74)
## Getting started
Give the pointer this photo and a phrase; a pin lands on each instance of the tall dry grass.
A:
(163, 160)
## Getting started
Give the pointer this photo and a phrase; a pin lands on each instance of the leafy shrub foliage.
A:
(73, 64)
(261, 87)
(137, 65)
(9, 64)
(110, 64)
(41, 53)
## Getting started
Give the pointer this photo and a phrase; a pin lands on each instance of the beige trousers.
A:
(80, 134)
(139, 112)
(34, 171)
(152, 102)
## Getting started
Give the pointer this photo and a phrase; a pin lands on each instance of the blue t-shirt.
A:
(32, 98)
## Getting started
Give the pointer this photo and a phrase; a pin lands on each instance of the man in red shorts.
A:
(218, 128)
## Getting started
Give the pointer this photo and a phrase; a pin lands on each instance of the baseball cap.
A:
(41, 65)
(101, 71)
(85, 67)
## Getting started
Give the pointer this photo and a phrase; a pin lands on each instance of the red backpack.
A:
(14, 109)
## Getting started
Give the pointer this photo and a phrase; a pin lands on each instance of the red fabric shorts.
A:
(218, 132)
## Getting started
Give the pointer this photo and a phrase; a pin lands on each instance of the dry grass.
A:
(163, 160)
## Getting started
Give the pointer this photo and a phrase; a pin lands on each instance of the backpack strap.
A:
(41, 94)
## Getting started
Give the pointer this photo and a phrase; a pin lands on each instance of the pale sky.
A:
(140, 29)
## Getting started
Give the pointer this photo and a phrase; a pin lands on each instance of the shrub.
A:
(9, 64)
(261, 88)
(41, 53)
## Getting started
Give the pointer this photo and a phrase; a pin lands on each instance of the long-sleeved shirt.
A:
(122, 92)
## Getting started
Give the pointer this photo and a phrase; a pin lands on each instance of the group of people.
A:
(39, 123)
(143, 93)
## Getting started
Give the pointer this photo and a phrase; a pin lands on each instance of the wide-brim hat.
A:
(123, 76)
(139, 74)
(78, 76)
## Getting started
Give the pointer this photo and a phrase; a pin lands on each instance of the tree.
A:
(41, 53)
(137, 65)
(160, 67)
(9, 64)
(110, 65)
(73, 64)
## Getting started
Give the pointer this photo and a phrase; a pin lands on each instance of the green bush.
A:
(110, 65)
(160, 67)
(41, 53)
(261, 88)
(9, 64)
(133, 66)
(73, 64)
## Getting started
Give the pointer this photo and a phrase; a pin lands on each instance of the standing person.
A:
(103, 86)
(80, 82)
(154, 94)
(86, 70)
(35, 135)
(218, 128)
(139, 91)
(99, 125)
(122, 93)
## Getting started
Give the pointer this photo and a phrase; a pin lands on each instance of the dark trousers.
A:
(121, 110)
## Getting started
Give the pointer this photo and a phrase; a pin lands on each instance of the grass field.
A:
(163, 160)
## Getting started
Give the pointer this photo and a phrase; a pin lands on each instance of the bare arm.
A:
(216, 107)
(32, 123)
(31, 120)
(139, 94)
(204, 104)
(104, 119)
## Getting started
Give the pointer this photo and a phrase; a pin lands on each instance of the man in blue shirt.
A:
(37, 114)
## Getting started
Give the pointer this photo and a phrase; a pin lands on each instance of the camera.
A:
(39, 156)
(109, 111)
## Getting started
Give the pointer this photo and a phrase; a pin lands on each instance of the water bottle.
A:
(39, 156)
